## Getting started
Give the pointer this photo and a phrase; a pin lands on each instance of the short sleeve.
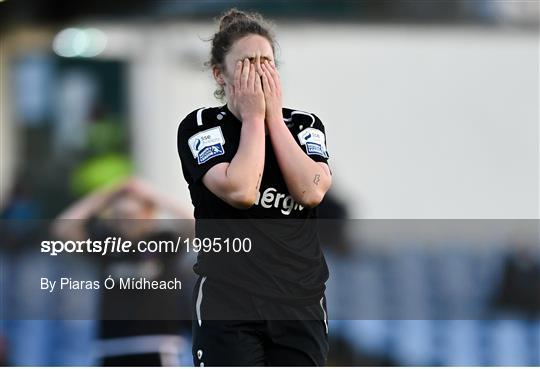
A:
(201, 147)
(312, 139)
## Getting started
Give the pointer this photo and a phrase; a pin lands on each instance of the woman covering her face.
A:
(256, 172)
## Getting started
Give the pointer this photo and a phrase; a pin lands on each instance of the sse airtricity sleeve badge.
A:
(314, 141)
(207, 144)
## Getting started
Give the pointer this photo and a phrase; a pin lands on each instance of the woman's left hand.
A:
(272, 91)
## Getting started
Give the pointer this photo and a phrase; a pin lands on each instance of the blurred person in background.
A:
(253, 159)
(145, 336)
(333, 212)
(519, 291)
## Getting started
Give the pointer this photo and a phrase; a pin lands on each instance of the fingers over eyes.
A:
(258, 65)
(269, 76)
(257, 77)
(265, 81)
(245, 73)
(251, 78)
(273, 71)
(237, 73)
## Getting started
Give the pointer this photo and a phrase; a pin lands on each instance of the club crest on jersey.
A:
(314, 141)
(207, 144)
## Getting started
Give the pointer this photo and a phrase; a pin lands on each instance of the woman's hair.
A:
(233, 25)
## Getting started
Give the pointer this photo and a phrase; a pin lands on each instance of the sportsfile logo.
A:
(271, 198)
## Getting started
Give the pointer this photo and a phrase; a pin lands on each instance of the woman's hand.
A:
(272, 91)
(246, 95)
(237, 182)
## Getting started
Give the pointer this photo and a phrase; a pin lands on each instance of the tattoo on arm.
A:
(317, 179)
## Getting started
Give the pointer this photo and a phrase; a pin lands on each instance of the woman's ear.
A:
(218, 75)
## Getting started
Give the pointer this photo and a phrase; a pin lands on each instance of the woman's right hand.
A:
(247, 95)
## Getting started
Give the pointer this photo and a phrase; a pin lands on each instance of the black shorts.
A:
(235, 328)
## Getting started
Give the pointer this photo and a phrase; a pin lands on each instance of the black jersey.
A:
(285, 261)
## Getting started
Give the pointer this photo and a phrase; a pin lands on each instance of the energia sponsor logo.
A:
(271, 198)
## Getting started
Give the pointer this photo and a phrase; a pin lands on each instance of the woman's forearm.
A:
(245, 170)
(307, 180)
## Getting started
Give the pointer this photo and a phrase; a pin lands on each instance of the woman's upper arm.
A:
(215, 179)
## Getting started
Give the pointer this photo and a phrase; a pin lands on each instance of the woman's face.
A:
(250, 47)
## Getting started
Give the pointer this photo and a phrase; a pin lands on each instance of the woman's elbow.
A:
(312, 199)
(242, 199)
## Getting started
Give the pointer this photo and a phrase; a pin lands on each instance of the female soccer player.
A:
(265, 167)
